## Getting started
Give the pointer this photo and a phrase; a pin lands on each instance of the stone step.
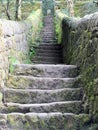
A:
(47, 32)
(49, 20)
(50, 54)
(49, 29)
(64, 107)
(44, 121)
(40, 70)
(29, 82)
(46, 62)
(47, 58)
(48, 36)
(49, 41)
(29, 96)
(49, 25)
(48, 47)
(41, 50)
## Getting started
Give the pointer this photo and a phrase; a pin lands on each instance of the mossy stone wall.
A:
(15, 38)
(80, 47)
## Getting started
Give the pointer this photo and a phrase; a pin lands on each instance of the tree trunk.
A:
(6, 8)
(70, 6)
(18, 10)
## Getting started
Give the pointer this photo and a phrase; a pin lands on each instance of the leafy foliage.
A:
(27, 7)
(12, 61)
(84, 7)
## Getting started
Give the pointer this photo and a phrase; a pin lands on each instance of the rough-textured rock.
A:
(65, 106)
(80, 46)
(14, 45)
(42, 96)
(48, 51)
(40, 70)
(45, 121)
(29, 82)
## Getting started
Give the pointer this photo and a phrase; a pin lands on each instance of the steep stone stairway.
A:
(43, 96)
(48, 51)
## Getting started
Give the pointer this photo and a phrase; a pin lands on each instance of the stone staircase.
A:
(48, 51)
(44, 96)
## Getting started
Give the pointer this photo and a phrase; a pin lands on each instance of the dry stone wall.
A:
(14, 42)
(80, 46)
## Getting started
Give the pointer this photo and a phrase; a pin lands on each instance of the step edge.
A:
(43, 104)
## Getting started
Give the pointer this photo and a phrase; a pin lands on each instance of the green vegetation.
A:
(84, 7)
(26, 8)
(12, 60)
(81, 8)
(58, 30)
(34, 35)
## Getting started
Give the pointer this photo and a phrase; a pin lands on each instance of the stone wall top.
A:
(88, 21)
(84, 23)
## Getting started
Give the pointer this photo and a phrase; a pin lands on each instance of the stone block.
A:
(7, 28)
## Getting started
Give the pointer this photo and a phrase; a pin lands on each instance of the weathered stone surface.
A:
(52, 91)
(16, 121)
(65, 106)
(30, 82)
(3, 121)
(47, 51)
(14, 42)
(40, 70)
(80, 46)
(42, 96)
(45, 121)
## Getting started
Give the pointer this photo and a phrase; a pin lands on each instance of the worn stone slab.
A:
(42, 96)
(46, 121)
(65, 106)
(40, 70)
(29, 82)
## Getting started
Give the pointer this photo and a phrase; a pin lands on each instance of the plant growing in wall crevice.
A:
(12, 60)
(58, 29)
